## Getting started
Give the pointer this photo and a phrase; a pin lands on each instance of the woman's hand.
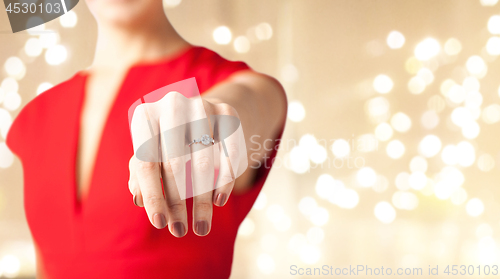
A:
(163, 134)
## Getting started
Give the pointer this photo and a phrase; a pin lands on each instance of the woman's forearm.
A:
(260, 102)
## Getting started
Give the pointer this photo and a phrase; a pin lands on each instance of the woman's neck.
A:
(119, 48)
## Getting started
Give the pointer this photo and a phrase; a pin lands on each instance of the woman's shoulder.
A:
(57, 94)
(28, 121)
(69, 84)
(204, 57)
(210, 67)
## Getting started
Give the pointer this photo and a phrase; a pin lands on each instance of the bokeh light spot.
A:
(222, 35)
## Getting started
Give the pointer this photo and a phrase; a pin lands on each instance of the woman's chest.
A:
(100, 94)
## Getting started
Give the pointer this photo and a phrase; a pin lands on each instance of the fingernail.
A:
(178, 229)
(159, 220)
(135, 200)
(201, 228)
(221, 199)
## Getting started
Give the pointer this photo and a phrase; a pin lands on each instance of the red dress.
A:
(106, 236)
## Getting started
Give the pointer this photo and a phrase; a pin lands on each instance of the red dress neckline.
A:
(80, 199)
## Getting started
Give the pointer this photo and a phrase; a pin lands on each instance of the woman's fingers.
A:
(177, 214)
(202, 173)
(146, 140)
(148, 174)
(133, 184)
(202, 168)
(161, 151)
(202, 164)
(227, 124)
(225, 180)
(173, 170)
(202, 213)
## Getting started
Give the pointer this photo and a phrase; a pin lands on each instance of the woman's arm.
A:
(261, 104)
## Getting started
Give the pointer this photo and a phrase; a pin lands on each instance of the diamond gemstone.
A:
(206, 140)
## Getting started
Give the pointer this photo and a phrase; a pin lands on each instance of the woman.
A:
(75, 146)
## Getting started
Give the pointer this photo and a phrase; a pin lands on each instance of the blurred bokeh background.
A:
(391, 152)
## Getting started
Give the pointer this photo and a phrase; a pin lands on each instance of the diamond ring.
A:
(204, 139)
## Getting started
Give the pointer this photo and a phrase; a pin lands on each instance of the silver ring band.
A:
(204, 139)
